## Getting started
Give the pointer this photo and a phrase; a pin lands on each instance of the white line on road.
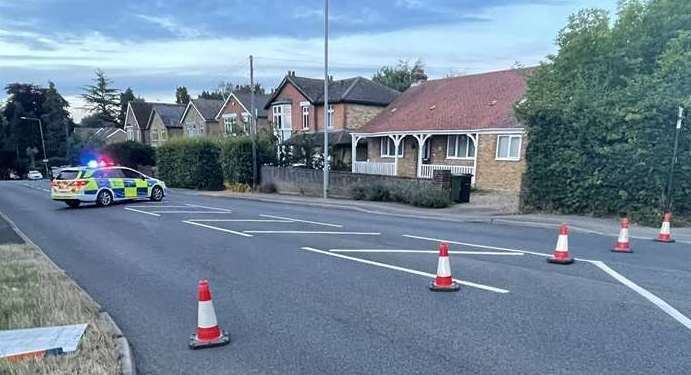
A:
(191, 212)
(207, 207)
(243, 220)
(423, 252)
(303, 221)
(478, 246)
(217, 228)
(664, 306)
(158, 206)
(141, 212)
(408, 270)
(309, 232)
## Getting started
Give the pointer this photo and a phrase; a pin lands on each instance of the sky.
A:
(153, 46)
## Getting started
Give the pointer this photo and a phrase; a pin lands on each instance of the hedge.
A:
(403, 192)
(192, 163)
(130, 154)
(236, 157)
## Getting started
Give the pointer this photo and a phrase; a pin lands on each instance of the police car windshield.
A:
(67, 175)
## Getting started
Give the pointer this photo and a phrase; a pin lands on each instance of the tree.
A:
(211, 95)
(600, 114)
(258, 89)
(56, 122)
(102, 99)
(399, 77)
(181, 95)
(25, 100)
(126, 97)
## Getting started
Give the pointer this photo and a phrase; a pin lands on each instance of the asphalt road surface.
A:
(311, 290)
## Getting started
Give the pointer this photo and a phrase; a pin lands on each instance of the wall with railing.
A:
(365, 167)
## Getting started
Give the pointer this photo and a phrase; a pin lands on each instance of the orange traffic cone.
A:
(561, 253)
(444, 282)
(622, 245)
(665, 235)
(208, 332)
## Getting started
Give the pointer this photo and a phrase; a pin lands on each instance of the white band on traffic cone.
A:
(206, 316)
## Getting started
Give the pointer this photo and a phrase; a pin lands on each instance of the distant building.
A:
(164, 122)
(199, 118)
(234, 114)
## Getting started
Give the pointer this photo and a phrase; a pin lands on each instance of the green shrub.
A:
(130, 154)
(402, 191)
(236, 157)
(192, 163)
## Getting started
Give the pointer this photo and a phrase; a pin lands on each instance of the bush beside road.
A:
(34, 293)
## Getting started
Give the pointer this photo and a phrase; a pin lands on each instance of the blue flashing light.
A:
(92, 164)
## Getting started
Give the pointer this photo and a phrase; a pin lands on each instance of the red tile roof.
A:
(480, 101)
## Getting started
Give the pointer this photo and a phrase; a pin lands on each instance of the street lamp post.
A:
(43, 142)
(326, 99)
(680, 118)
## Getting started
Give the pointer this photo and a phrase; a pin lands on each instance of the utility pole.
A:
(43, 142)
(253, 126)
(680, 118)
(326, 99)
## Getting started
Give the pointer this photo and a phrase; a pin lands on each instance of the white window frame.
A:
(154, 136)
(282, 112)
(230, 122)
(330, 117)
(162, 135)
(305, 115)
(387, 147)
(508, 156)
(130, 133)
(452, 149)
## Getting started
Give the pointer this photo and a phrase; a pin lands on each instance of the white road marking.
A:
(46, 190)
(141, 212)
(159, 206)
(303, 221)
(243, 220)
(664, 306)
(309, 232)
(478, 246)
(207, 207)
(217, 228)
(191, 212)
(423, 252)
(408, 270)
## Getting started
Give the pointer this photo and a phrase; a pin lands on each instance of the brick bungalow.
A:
(199, 118)
(136, 119)
(296, 108)
(463, 124)
(235, 112)
(164, 122)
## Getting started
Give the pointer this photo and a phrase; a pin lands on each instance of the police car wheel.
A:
(104, 198)
(156, 194)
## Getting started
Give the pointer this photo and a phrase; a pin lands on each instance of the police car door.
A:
(136, 185)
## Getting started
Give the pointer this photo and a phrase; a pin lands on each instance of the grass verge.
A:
(34, 293)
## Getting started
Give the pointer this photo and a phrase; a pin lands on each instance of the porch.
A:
(415, 154)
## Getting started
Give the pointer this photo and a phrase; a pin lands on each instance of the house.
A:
(136, 119)
(463, 124)
(164, 122)
(296, 109)
(199, 118)
(235, 113)
(105, 135)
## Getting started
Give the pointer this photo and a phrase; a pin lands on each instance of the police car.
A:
(104, 185)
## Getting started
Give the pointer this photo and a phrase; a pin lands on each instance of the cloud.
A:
(168, 23)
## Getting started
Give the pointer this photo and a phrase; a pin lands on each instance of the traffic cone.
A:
(208, 332)
(622, 245)
(665, 235)
(444, 282)
(561, 253)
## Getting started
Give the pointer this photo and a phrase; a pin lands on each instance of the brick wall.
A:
(495, 174)
(357, 115)
(309, 181)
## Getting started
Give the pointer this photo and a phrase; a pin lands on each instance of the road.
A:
(311, 290)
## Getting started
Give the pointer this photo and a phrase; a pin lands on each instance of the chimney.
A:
(419, 76)
(331, 78)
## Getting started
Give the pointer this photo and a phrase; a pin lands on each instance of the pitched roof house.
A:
(107, 135)
(296, 108)
(199, 118)
(463, 124)
(234, 114)
(164, 122)
(136, 119)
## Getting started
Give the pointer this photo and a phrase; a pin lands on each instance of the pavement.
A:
(323, 289)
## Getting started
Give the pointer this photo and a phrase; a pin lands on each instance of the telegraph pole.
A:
(326, 99)
(253, 126)
(680, 118)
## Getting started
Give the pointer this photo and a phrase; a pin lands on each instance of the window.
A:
(67, 175)
(113, 173)
(163, 135)
(427, 150)
(330, 124)
(509, 147)
(131, 174)
(282, 117)
(130, 133)
(230, 123)
(154, 136)
(460, 147)
(388, 148)
(305, 116)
